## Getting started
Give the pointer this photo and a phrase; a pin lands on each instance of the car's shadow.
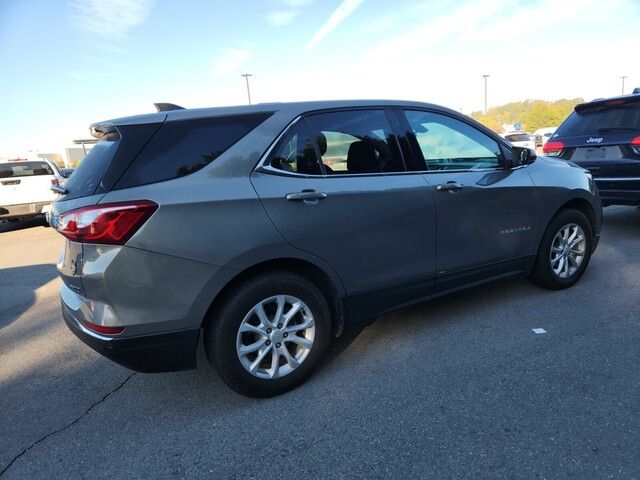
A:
(622, 222)
(11, 226)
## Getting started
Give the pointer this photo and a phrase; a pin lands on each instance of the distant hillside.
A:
(531, 114)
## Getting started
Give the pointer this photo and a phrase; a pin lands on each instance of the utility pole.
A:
(246, 78)
(622, 77)
(485, 92)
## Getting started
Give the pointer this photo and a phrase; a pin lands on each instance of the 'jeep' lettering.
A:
(594, 140)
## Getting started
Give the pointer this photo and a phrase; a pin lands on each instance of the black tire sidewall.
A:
(543, 274)
(220, 341)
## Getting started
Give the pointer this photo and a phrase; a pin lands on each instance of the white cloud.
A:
(346, 8)
(281, 18)
(229, 61)
(111, 19)
(451, 24)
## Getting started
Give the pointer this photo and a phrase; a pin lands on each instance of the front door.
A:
(336, 186)
(486, 212)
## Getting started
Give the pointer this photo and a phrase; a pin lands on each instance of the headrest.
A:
(321, 140)
(362, 158)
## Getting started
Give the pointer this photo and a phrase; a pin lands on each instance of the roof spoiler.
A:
(99, 130)
(603, 102)
(167, 107)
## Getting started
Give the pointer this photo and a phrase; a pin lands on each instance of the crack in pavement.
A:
(62, 429)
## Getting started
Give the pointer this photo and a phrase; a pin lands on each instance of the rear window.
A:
(24, 169)
(601, 120)
(183, 147)
(86, 178)
(519, 137)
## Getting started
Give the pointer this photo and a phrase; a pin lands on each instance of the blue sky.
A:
(66, 64)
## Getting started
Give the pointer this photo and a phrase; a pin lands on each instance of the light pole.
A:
(246, 78)
(622, 77)
(485, 92)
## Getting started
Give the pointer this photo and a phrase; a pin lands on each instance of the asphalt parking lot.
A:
(459, 387)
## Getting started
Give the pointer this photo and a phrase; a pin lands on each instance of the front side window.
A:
(450, 144)
(356, 142)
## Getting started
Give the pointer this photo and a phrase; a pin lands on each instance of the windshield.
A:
(518, 137)
(601, 120)
(24, 169)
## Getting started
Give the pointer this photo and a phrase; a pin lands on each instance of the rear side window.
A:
(183, 147)
(296, 152)
(601, 120)
(24, 169)
(356, 142)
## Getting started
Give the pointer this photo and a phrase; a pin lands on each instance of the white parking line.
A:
(539, 331)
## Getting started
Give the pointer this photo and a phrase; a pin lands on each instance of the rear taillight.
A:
(110, 223)
(55, 182)
(553, 149)
(635, 144)
(102, 329)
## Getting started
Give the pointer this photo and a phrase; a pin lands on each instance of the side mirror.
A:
(522, 156)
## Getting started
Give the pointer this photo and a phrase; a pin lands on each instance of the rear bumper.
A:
(620, 197)
(619, 191)
(22, 210)
(158, 352)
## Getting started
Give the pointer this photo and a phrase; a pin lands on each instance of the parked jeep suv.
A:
(269, 227)
(603, 136)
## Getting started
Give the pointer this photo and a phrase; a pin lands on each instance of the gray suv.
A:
(268, 228)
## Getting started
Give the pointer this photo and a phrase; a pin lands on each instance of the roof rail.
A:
(167, 107)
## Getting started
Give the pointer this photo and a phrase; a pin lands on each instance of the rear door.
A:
(336, 186)
(25, 182)
(486, 211)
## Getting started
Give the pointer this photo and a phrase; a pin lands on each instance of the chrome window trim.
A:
(264, 167)
(616, 179)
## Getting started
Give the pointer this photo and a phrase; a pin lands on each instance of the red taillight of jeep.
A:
(635, 144)
(553, 149)
(110, 223)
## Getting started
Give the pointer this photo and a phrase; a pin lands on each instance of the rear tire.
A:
(562, 261)
(250, 327)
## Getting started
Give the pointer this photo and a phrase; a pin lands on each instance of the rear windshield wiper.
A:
(59, 189)
(617, 129)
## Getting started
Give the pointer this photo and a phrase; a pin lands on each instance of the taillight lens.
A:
(553, 149)
(111, 223)
(635, 144)
(55, 182)
(102, 329)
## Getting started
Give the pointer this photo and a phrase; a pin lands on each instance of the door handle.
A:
(450, 187)
(306, 195)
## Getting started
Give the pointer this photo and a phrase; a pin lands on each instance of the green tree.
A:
(531, 114)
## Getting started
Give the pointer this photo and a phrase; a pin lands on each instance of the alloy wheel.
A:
(568, 250)
(275, 336)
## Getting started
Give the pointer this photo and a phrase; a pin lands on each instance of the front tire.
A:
(564, 252)
(268, 334)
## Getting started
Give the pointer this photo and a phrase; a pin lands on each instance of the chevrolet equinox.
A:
(269, 227)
